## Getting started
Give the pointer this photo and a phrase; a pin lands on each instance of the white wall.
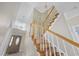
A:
(60, 26)
(74, 21)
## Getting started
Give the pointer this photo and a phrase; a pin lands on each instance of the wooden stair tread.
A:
(46, 48)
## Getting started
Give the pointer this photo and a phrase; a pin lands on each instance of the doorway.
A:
(14, 44)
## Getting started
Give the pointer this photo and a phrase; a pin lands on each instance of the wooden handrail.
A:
(74, 43)
(49, 13)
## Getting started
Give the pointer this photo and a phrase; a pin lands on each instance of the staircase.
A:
(45, 48)
(60, 46)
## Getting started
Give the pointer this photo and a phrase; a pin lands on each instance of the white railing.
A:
(68, 48)
(54, 42)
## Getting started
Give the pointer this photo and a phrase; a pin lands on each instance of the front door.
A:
(14, 44)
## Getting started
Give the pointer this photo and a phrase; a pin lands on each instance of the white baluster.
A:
(65, 49)
(43, 39)
(49, 45)
(46, 46)
(40, 41)
(58, 46)
(50, 48)
(52, 43)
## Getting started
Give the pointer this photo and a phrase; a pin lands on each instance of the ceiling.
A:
(66, 6)
(7, 12)
(68, 9)
(17, 10)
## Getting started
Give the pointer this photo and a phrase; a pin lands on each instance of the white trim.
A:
(69, 30)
